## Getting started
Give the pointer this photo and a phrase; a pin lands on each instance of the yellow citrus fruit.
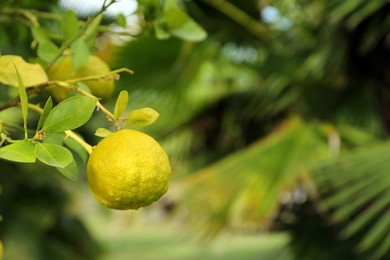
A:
(128, 170)
(102, 87)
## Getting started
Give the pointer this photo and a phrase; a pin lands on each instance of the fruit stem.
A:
(75, 137)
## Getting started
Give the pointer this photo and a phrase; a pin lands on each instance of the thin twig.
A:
(67, 84)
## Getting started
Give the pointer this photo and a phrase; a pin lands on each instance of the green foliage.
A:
(47, 51)
(80, 52)
(50, 142)
(69, 24)
(22, 151)
(53, 155)
(23, 101)
(121, 104)
(102, 132)
(69, 114)
(177, 23)
(30, 74)
(361, 178)
(235, 88)
(142, 117)
(269, 124)
(46, 110)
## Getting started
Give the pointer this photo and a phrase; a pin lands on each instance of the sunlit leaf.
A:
(31, 74)
(183, 27)
(80, 53)
(142, 117)
(47, 51)
(69, 24)
(45, 113)
(69, 114)
(102, 132)
(22, 151)
(90, 34)
(53, 155)
(40, 34)
(121, 104)
(23, 101)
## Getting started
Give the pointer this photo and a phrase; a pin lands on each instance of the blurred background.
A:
(277, 126)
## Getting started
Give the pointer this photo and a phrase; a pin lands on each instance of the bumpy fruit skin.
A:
(101, 88)
(128, 170)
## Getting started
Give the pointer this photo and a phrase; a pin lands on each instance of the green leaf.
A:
(39, 34)
(160, 29)
(55, 138)
(69, 24)
(69, 114)
(77, 148)
(121, 104)
(31, 74)
(121, 20)
(22, 151)
(70, 171)
(169, 4)
(47, 51)
(183, 27)
(53, 155)
(45, 113)
(142, 117)
(23, 101)
(80, 53)
(102, 132)
(84, 87)
(92, 30)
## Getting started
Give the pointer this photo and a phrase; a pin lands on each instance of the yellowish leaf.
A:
(31, 74)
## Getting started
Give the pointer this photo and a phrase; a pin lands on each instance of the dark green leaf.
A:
(69, 114)
(22, 151)
(69, 24)
(53, 155)
(121, 104)
(23, 101)
(70, 171)
(45, 113)
(47, 51)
